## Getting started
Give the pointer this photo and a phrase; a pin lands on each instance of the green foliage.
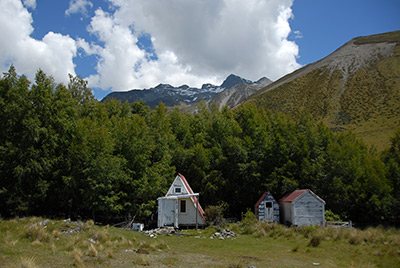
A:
(330, 216)
(214, 215)
(63, 153)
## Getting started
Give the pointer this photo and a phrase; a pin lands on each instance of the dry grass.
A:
(286, 247)
(92, 251)
(78, 258)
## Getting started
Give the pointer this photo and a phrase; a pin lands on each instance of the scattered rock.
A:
(160, 231)
(224, 234)
(91, 241)
(77, 229)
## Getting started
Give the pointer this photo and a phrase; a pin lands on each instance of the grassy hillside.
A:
(33, 242)
(347, 90)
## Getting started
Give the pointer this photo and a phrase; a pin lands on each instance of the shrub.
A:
(330, 216)
(214, 215)
(307, 231)
(315, 240)
(247, 223)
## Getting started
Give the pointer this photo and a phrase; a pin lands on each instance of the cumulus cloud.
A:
(78, 6)
(53, 54)
(192, 42)
(195, 41)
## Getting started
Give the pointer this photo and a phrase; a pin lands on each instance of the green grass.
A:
(268, 245)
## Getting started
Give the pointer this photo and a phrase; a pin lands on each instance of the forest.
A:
(64, 154)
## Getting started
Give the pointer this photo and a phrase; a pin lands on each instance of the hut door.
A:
(269, 212)
(169, 208)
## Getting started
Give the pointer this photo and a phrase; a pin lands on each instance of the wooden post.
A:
(197, 210)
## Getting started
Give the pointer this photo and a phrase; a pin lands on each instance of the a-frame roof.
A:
(188, 190)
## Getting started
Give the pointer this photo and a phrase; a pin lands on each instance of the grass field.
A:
(34, 242)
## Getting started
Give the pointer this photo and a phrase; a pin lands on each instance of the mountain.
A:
(357, 88)
(175, 96)
(238, 93)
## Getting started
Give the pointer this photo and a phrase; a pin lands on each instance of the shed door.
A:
(269, 211)
(169, 211)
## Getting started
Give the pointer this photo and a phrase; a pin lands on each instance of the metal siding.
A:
(307, 210)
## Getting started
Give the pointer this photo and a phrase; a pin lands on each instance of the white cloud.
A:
(53, 54)
(196, 41)
(298, 34)
(30, 3)
(78, 6)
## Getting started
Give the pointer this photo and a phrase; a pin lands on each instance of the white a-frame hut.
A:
(180, 206)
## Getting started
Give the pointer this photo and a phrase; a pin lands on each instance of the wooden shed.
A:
(267, 208)
(303, 208)
(180, 206)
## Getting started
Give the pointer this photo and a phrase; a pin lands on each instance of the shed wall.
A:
(307, 210)
(261, 209)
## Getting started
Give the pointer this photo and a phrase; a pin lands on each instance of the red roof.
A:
(293, 195)
(191, 192)
(262, 198)
(297, 193)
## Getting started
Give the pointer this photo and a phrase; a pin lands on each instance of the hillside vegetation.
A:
(64, 154)
(355, 88)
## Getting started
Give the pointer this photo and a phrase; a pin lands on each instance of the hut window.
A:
(268, 204)
(177, 190)
(183, 206)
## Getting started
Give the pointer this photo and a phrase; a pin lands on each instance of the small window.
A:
(183, 206)
(177, 190)
(268, 204)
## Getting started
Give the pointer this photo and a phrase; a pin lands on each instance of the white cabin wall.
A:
(189, 218)
(177, 183)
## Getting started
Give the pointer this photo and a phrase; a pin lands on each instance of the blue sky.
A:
(121, 45)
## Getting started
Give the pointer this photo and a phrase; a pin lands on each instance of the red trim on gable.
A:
(193, 198)
(260, 200)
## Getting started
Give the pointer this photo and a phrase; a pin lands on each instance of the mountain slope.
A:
(356, 87)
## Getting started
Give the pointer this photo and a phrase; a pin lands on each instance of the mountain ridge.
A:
(175, 96)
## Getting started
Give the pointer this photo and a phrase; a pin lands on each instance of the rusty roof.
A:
(297, 193)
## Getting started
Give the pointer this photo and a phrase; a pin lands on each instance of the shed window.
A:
(177, 190)
(183, 206)
(268, 204)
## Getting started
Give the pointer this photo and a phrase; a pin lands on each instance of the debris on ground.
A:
(224, 234)
(72, 230)
(161, 231)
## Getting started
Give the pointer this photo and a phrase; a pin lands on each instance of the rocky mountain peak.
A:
(233, 80)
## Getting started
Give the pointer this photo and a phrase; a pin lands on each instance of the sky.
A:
(119, 45)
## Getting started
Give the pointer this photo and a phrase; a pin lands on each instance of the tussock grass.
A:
(39, 233)
(92, 251)
(78, 258)
(26, 262)
(286, 247)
